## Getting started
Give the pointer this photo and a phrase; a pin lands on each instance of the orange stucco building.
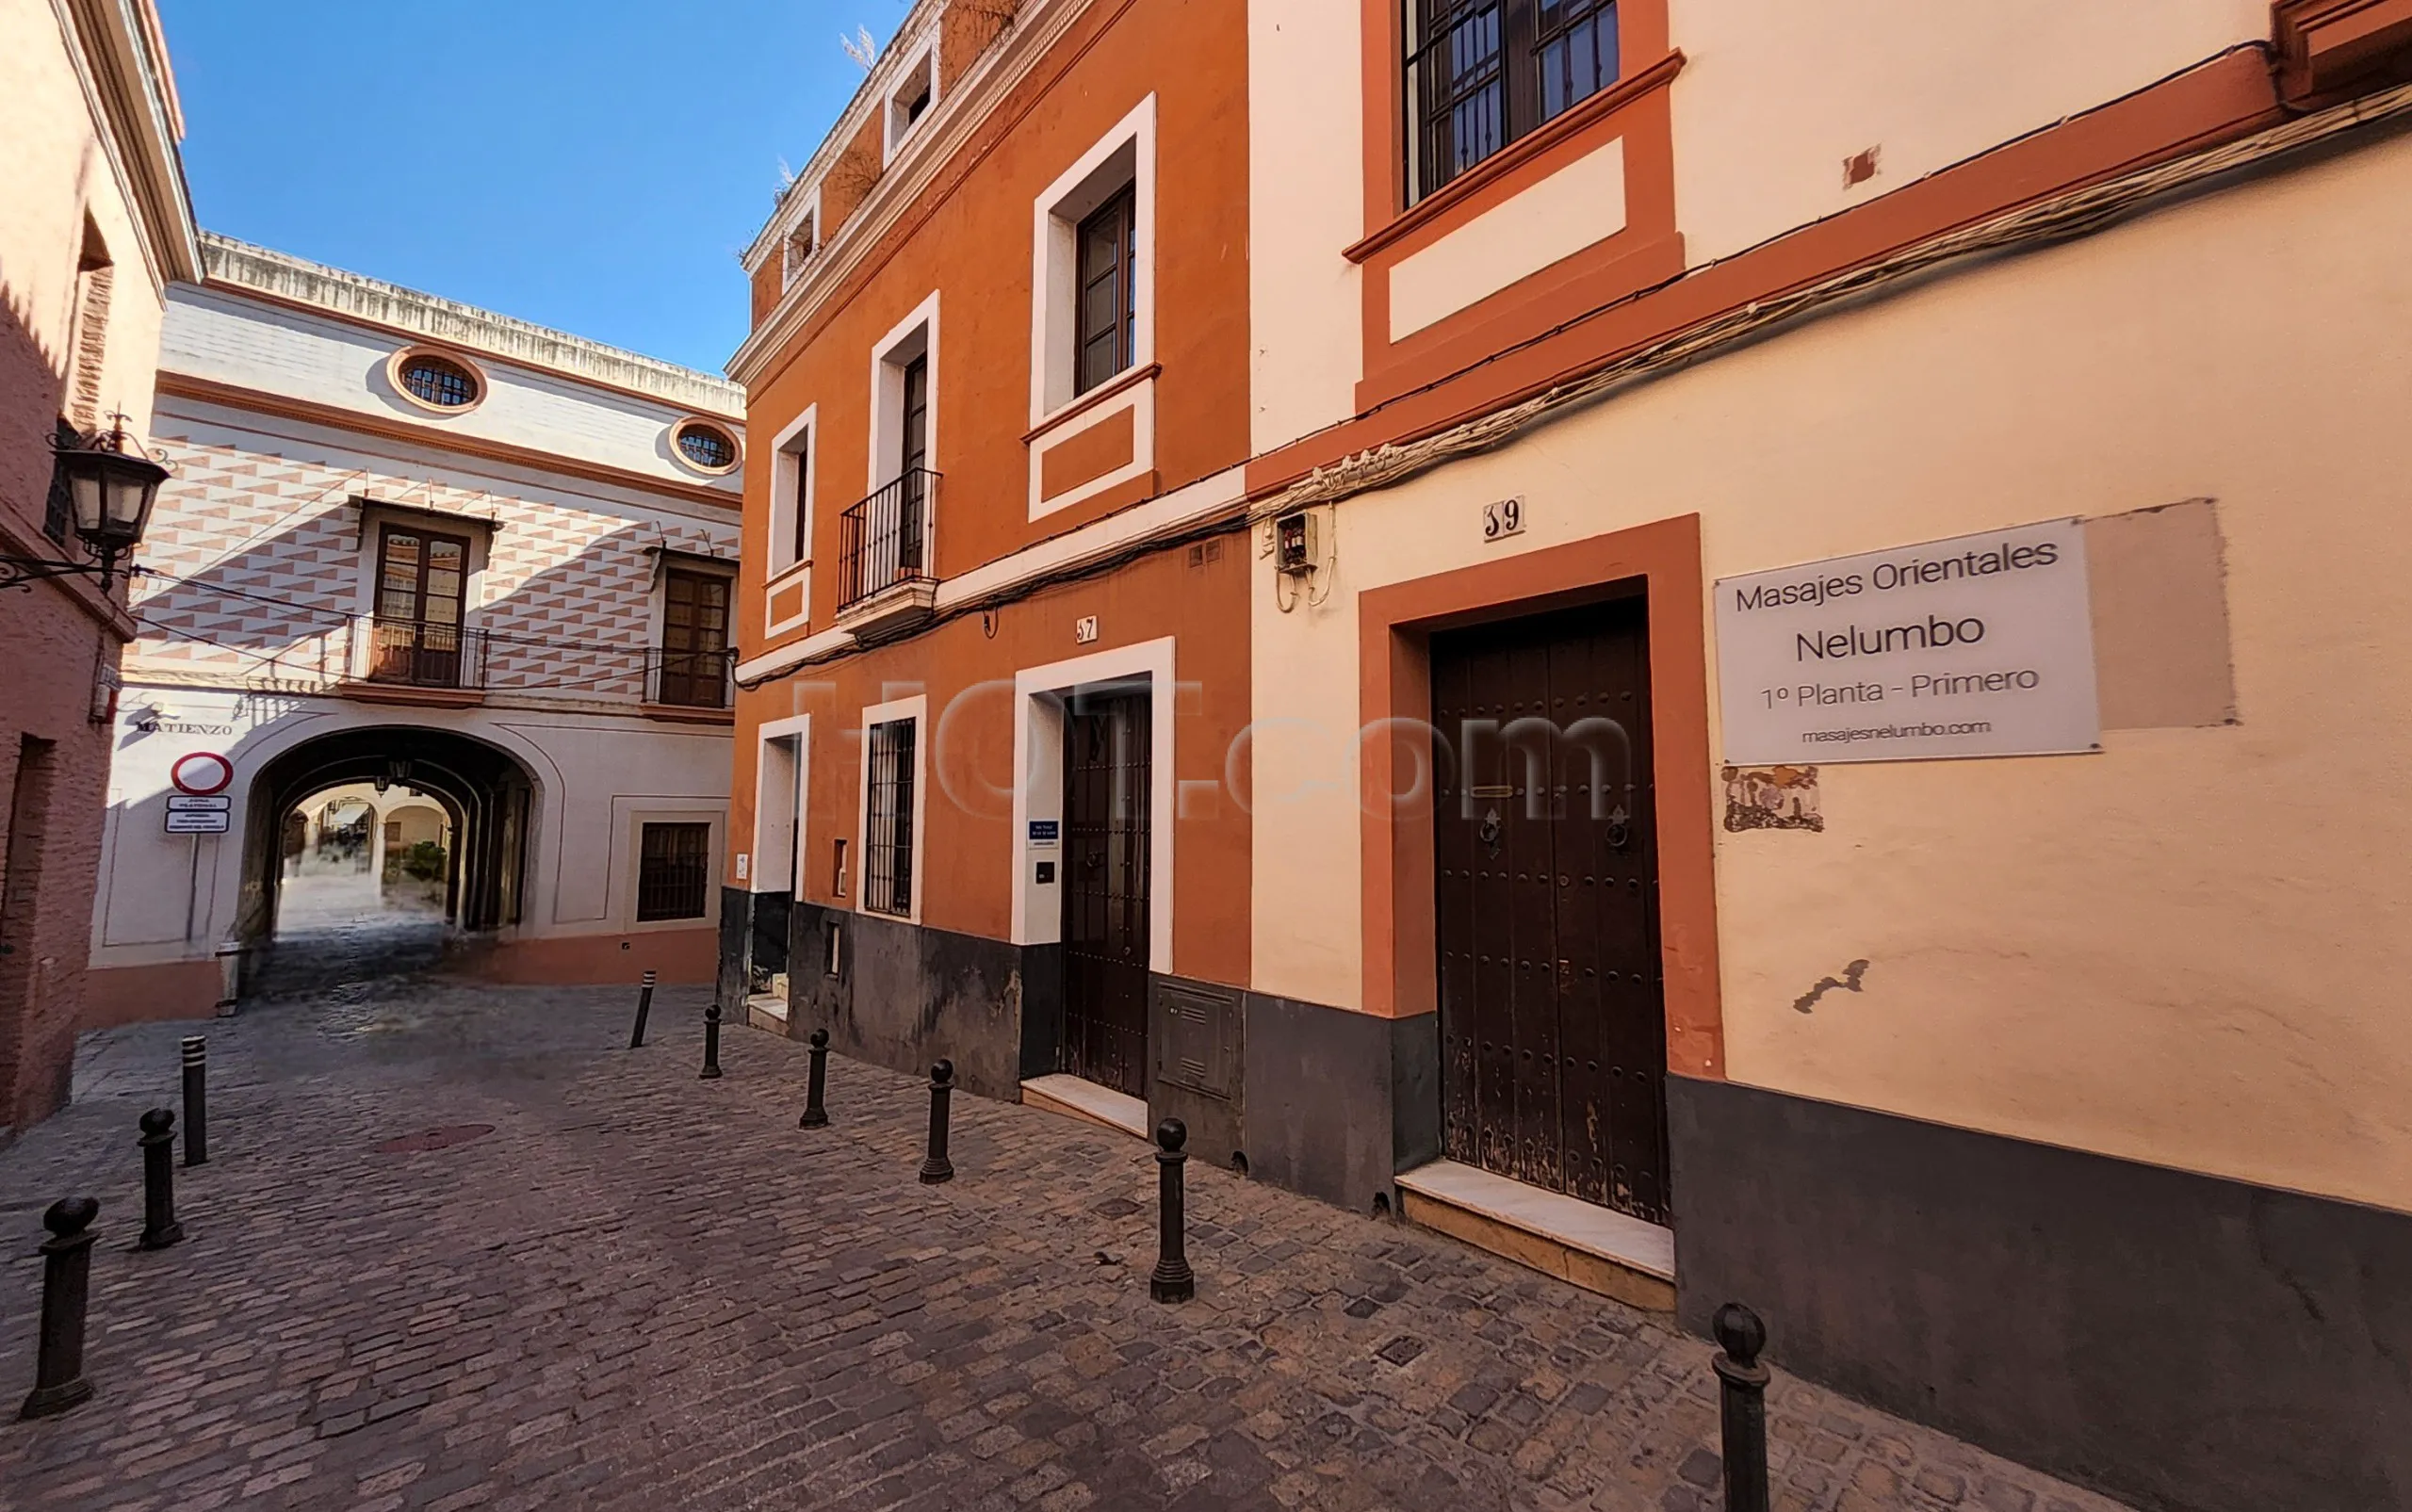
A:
(999, 407)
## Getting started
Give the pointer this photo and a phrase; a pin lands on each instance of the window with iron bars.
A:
(673, 871)
(888, 838)
(1481, 73)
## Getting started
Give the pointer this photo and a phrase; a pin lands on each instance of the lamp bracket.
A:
(23, 572)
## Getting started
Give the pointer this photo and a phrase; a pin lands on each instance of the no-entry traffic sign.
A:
(202, 771)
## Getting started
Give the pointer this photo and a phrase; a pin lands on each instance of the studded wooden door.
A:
(1552, 1024)
(1107, 779)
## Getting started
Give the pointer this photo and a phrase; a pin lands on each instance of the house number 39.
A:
(1502, 519)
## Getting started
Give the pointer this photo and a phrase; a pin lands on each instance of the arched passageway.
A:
(366, 848)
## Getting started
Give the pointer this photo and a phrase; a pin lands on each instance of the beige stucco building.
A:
(426, 546)
(2007, 1011)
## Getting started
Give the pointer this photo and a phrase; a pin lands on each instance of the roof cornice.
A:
(867, 95)
(990, 80)
(239, 267)
(121, 62)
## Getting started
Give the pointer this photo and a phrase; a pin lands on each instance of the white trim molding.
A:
(917, 710)
(1136, 399)
(1125, 155)
(794, 479)
(796, 733)
(806, 210)
(920, 67)
(915, 335)
(1038, 785)
(1165, 514)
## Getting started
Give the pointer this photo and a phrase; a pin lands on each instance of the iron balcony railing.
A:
(417, 653)
(886, 540)
(690, 679)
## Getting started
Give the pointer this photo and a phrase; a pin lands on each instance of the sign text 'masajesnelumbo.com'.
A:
(1978, 647)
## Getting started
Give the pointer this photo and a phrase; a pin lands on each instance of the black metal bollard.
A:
(1743, 1336)
(711, 1042)
(66, 1285)
(936, 1168)
(158, 1142)
(196, 1102)
(1172, 1280)
(644, 1006)
(815, 1115)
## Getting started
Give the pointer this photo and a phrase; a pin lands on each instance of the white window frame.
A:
(1037, 916)
(895, 130)
(1125, 155)
(791, 461)
(791, 269)
(915, 335)
(915, 710)
(792, 808)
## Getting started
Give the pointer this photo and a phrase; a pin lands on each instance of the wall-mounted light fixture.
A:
(112, 490)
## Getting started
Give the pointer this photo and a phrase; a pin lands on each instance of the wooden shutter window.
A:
(1105, 319)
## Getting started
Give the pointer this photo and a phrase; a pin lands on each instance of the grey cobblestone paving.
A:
(643, 1291)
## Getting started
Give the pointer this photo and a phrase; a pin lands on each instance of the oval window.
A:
(439, 382)
(707, 447)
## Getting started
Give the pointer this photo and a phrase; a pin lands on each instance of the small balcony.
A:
(415, 660)
(702, 682)
(887, 567)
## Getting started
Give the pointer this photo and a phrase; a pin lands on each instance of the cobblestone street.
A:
(644, 1290)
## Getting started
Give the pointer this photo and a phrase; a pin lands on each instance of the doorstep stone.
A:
(763, 1010)
(1582, 1243)
(1077, 1098)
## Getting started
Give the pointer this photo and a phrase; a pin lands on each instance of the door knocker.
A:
(1619, 828)
(1490, 833)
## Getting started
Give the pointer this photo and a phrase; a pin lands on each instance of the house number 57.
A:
(1502, 519)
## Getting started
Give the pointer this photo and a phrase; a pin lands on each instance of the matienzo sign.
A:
(1978, 646)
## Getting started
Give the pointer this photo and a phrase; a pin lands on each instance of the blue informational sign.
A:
(1046, 831)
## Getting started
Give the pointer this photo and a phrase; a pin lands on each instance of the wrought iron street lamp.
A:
(112, 490)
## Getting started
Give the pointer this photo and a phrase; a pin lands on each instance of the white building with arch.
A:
(422, 546)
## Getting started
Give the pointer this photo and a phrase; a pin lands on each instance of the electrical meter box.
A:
(1294, 543)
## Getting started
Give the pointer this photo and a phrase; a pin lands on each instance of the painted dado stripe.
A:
(1161, 515)
(1574, 207)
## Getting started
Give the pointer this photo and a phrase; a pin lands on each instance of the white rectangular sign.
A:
(199, 802)
(1978, 646)
(191, 822)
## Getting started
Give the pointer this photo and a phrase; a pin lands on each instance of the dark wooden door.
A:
(421, 579)
(1107, 777)
(1553, 1022)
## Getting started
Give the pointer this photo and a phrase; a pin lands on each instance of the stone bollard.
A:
(816, 1080)
(644, 1006)
(1173, 1280)
(196, 1102)
(66, 1286)
(1741, 1335)
(711, 1042)
(158, 1142)
(936, 1168)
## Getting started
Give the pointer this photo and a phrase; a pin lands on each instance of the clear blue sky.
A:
(594, 165)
